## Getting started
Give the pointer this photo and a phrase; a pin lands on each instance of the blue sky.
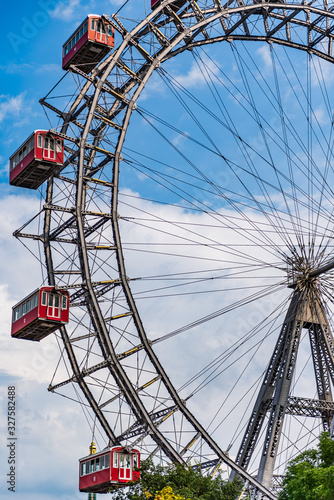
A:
(31, 61)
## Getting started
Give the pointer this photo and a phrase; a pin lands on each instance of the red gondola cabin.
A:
(114, 466)
(40, 314)
(89, 44)
(38, 157)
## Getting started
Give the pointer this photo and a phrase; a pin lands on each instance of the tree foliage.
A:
(310, 476)
(177, 482)
(165, 494)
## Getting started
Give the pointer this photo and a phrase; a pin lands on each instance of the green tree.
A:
(182, 481)
(310, 476)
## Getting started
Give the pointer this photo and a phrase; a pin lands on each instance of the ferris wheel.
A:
(188, 219)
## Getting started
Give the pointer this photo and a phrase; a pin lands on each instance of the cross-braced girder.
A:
(306, 311)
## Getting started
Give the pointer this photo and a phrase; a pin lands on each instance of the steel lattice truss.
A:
(111, 359)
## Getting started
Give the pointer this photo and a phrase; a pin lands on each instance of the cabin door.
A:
(100, 32)
(49, 148)
(54, 306)
(125, 467)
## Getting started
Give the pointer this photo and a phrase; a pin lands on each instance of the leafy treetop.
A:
(310, 476)
(177, 482)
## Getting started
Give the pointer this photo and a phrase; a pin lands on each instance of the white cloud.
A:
(198, 76)
(195, 77)
(116, 2)
(13, 106)
(46, 419)
(48, 442)
(20, 274)
(264, 53)
(322, 73)
(14, 68)
(49, 68)
(55, 421)
(154, 87)
(4, 166)
(321, 115)
(180, 138)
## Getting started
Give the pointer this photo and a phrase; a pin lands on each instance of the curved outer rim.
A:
(94, 310)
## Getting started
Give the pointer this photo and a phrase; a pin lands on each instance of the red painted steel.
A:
(40, 313)
(89, 44)
(36, 159)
